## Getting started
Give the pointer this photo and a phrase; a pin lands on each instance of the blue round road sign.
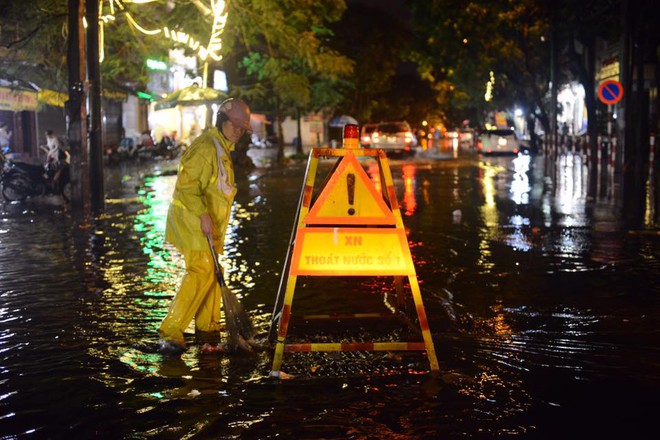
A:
(610, 91)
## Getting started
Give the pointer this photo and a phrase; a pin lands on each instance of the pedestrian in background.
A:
(200, 208)
(56, 155)
(5, 136)
(53, 149)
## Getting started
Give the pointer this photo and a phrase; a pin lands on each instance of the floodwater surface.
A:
(543, 306)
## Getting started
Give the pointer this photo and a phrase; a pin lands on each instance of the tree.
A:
(377, 42)
(459, 43)
(33, 42)
(279, 47)
(36, 36)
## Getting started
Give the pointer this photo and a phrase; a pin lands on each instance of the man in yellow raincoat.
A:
(200, 208)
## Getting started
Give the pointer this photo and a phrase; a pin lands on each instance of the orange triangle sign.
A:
(350, 198)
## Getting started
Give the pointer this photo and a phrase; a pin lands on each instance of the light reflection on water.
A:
(538, 303)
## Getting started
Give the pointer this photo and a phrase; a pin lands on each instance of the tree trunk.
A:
(299, 149)
(280, 133)
(243, 163)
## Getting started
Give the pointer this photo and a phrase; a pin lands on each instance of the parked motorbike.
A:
(167, 148)
(112, 154)
(258, 142)
(22, 180)
(127, 148)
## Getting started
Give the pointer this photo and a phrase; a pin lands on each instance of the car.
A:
(394, 137)
(365, 133)
(466, 137)
(500, 141)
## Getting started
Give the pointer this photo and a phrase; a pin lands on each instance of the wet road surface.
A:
(543, 306)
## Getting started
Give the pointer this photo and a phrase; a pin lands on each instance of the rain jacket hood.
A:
(205, 184)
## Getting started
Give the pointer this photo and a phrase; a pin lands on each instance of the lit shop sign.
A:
(18, 100)
(156, 65)
(609, 70)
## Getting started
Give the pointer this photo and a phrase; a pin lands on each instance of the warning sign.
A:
(351, 251)
(349, 229)
(350, 198)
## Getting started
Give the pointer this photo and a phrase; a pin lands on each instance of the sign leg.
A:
(423, 323)
(283, 326)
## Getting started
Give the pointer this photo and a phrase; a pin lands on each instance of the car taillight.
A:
(375, 137)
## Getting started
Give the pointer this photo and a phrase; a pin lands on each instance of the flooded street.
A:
(542, 302)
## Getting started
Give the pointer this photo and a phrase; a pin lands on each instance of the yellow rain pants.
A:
(199, 297)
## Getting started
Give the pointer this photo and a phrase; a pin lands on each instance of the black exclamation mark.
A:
(350, 185)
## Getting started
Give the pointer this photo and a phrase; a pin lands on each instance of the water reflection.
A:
(571, 191)
(520, 182)
(409, 196)
(651, 201)
(551, 300)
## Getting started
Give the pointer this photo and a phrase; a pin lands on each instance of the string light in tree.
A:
(212, 50)
(489, 87)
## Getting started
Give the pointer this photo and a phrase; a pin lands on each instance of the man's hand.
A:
(207, 225)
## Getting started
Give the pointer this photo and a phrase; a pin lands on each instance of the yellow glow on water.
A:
(489, 214)
(500, 326)
(649, 202)
(489, 210)
(409, 202)
(164, 267)
(151, 221)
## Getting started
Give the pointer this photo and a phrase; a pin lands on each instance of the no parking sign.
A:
(610, 92)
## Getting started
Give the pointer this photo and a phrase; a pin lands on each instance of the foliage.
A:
(372, 63)
(459, 43)
(281, 46)
(31, 42)
(37, 36)
(377, 41)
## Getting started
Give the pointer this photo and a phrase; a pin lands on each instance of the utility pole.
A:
(635, 113)
(85, 130)
(94, 105)
(553, 86)
(76, 112)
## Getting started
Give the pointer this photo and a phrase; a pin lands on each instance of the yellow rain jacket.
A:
(205, 184)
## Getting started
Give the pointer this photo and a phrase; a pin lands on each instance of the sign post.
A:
(610, 92)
